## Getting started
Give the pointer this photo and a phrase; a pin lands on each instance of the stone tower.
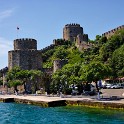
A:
(75, 33)
(25, 55)
(58, 64)
(70, 31)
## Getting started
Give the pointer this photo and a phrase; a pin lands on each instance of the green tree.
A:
(11, 74)
(97, 37)
(16, 77)
(111, 45)
(24, 76)
(66, 76)
(94, 71)
(74, 56)
(60, 53)
(34, 76)
(15, 83)
(102, 40)
(117, 62)
(56, 81)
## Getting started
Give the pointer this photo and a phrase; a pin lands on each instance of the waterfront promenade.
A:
(108, 99)
(55, 98)
(44, 98)
(106, 93)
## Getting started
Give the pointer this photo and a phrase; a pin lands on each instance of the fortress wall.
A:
(112, 32)
(48, 48)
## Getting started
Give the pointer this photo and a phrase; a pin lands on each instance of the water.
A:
(12, 113)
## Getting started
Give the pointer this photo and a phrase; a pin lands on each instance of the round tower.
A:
(25, 55)
(58, 64)
(70, 31)
(25, 44)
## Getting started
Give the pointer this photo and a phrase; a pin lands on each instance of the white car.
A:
(116, 86)
(108, 86)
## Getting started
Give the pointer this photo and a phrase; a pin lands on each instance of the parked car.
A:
(74, 92)
(108, 86)
(116, 86)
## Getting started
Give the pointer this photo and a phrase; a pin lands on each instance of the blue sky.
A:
(44, 20)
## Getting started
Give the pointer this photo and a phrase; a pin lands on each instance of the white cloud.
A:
(6, 14)
(5, 46)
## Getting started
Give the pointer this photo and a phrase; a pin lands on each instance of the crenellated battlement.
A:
(47, 48)
(112, 32)
(72, 25)
(25, 39)
(25, 44)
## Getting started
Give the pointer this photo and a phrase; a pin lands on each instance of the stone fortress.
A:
(25, 55)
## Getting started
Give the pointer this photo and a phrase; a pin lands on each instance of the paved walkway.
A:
(50, 99)
(44, 98)
(105, 93)
(112, 92)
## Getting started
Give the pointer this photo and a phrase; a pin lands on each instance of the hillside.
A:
(104, 60)
(107, 51)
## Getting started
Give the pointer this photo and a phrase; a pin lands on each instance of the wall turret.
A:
(59, 63)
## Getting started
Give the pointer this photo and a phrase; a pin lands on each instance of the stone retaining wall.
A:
(87, 103)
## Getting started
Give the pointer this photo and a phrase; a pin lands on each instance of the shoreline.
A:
(46, 101)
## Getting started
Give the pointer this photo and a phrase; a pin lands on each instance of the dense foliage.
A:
(16, 77)
(104, 60)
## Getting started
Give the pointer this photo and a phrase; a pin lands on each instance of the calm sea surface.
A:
(12, 113)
